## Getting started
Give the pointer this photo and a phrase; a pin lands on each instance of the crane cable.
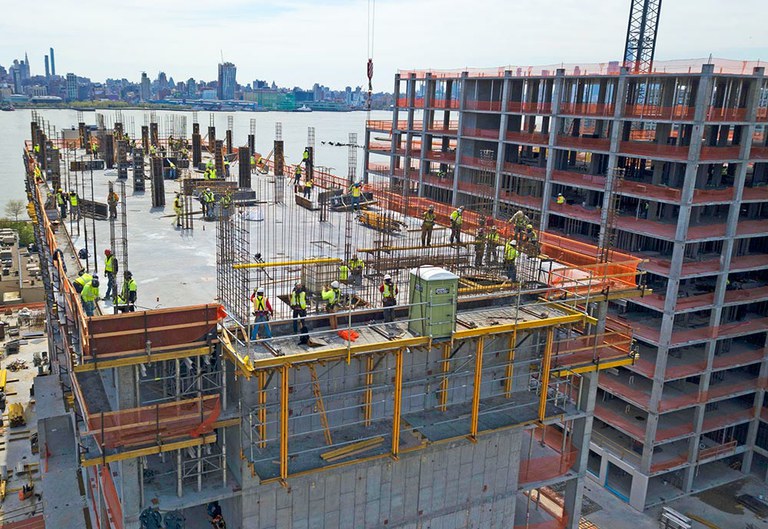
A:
(371, 27)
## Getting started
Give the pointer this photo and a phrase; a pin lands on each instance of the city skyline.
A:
(312, 51)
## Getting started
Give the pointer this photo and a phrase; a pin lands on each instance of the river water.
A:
(329, 127)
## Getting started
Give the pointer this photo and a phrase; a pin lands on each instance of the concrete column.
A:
(130, 480)
(395, 116)
(553, 128)
(501, 149)
(410, 96)
(678, 253)
(462, 106)
(426, 117)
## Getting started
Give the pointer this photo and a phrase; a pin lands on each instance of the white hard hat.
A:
(387, 276)
(513, 242)
(260, 290)
(207, 188)
(335, 284)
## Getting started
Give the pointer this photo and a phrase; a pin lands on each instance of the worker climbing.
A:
(90, 295)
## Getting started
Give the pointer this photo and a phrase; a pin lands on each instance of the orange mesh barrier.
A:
(679, 152)
(658, 112)
(537, 138)
(155, 424)
(537, 173)
(714, 451)
(678, 460)
(587, 109)
(483, 105)
(578, 179)
(547, 467)
(531, 108)
(620, 421)
(36, 522)
(114, 508)
(577, 142)
(759, 153)
(552, 524)
(614, 343)
(482, 133)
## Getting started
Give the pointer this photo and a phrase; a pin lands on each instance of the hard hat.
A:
(335, 284)
(128, 273)
(431, 207)
(559, 194)
(513, 242)
(95, 281)
(529, 227)
(260, 290)
(461, 208)
(257, 256)
(59, 190)
(297, 284)
(107, 252)
(207, 188)
(493, 228)
(81, 272)
(387, 276)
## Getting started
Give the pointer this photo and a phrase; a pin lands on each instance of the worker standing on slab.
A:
(519, 221)
(262, 309)
(171, 169)
(356, 190)
(479, 247)
(225, 203)
(296, 179)
(388, 298)
(90, 295)
(427, 225)
(491, 243)
(531, 241)
(74, 205)
(456, 222)
(112, 200)
(208, 200)
(344, 272)
(126, 301)
(110, 269)
(356, 267)
(215, 516)
(332, 296)
(298, 304)
(308, 183)
(178, 209)
(61, 202)
(510, 259)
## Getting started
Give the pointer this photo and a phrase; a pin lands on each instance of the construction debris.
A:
(17, 365)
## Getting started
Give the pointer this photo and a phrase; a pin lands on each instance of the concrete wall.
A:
(450, 486)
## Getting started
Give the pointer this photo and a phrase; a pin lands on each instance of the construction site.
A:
(467, 403)
(671, 166)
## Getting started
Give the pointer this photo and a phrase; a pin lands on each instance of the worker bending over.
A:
(90, 295)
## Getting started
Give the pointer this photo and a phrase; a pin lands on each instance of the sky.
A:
(301, 42)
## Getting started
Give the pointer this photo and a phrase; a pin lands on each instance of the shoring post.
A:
(446, 369)
(368, 395)
(398, 402)
(546, 365)
(284, 423)
(510, 371)
(476, 388)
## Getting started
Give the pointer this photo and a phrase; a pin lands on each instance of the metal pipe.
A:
(322, 260)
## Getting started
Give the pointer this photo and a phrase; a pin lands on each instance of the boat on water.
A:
(7, 107)
(303, 108)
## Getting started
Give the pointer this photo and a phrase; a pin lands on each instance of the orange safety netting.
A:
(114, 507)
(614, 343)
(548, 467)
(551, 524)
(36, 522)
(155, 424)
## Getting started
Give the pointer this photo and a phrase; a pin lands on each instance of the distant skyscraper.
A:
(47, 69)
(71, 87)
(191, 88)
(53, 64)
(145, 92)
(25, 68)
(16, 80)
(227, 82)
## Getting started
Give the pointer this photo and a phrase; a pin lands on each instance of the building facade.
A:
(672, 167)
(227, 81)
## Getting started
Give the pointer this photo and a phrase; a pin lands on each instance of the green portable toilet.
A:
(432, 294)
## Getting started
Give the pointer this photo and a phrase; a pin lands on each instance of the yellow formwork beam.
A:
(598, 366)
(446, 369)
(405, 248)
(141, 359)
(398, 402)
(546, 364)
(321, 260)
(368, 395)
(510, 369)
(320, 405)
(141, 452)
(261, 376)
(284, 423)
(476, 388)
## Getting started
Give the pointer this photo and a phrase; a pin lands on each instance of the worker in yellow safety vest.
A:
(427, 224)
(110, 269)
(343, 272)
(510, 257)
(61, 202)
(178, 209)
(262, 309)
(356, 267)
(126, 301)
(388, 298)
(90, 295)
(74, 205)
(308, 184)
(208, 200)
(519, 220)
(479, 247)
(112, 200)
(560, 199)
(356, 190)
(296, 178)
(82, 279)
(298, 304)
(491, 243)
(456, 222)
(331, 296)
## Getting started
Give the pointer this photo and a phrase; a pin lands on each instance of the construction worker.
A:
(356, 190)
(427, 224)
(296, 178)
(61, 201)
(112, 200)
(226, 168)
(208, 200)
(37, 148)
(519, 220)
(225, 202)
(305, 156)
(491, 243)
(215, 517)
(510, 257)
(308, 183)
(560, 199)
(356, 267)
(74, 205)
(38, 174)
(531, 241)
(343, 272)
(126, 301)
(110, 269)
(209, 164)
(298, 303)
(82, 279)
(332, 296)
(171, 169)
(90, 295)
(262, 309)
(253, 163)
(388, 298)
(152, 150)
(479, 247)
(456, 222)
(94, 148)
(178, 208)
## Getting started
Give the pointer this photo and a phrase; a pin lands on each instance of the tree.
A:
(14, 208)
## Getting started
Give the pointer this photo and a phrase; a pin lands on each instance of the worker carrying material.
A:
(388, 298)
(112, 200)
(298, 302)
(427, 225)
(332, 296)
(456, 222)
(479, 247)
(178, 209)
(356, 190)
(491, 244)
(90, 295)
(262, 309)
(356, 267)
(126, 301)
(110, 269)
(510, 259)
